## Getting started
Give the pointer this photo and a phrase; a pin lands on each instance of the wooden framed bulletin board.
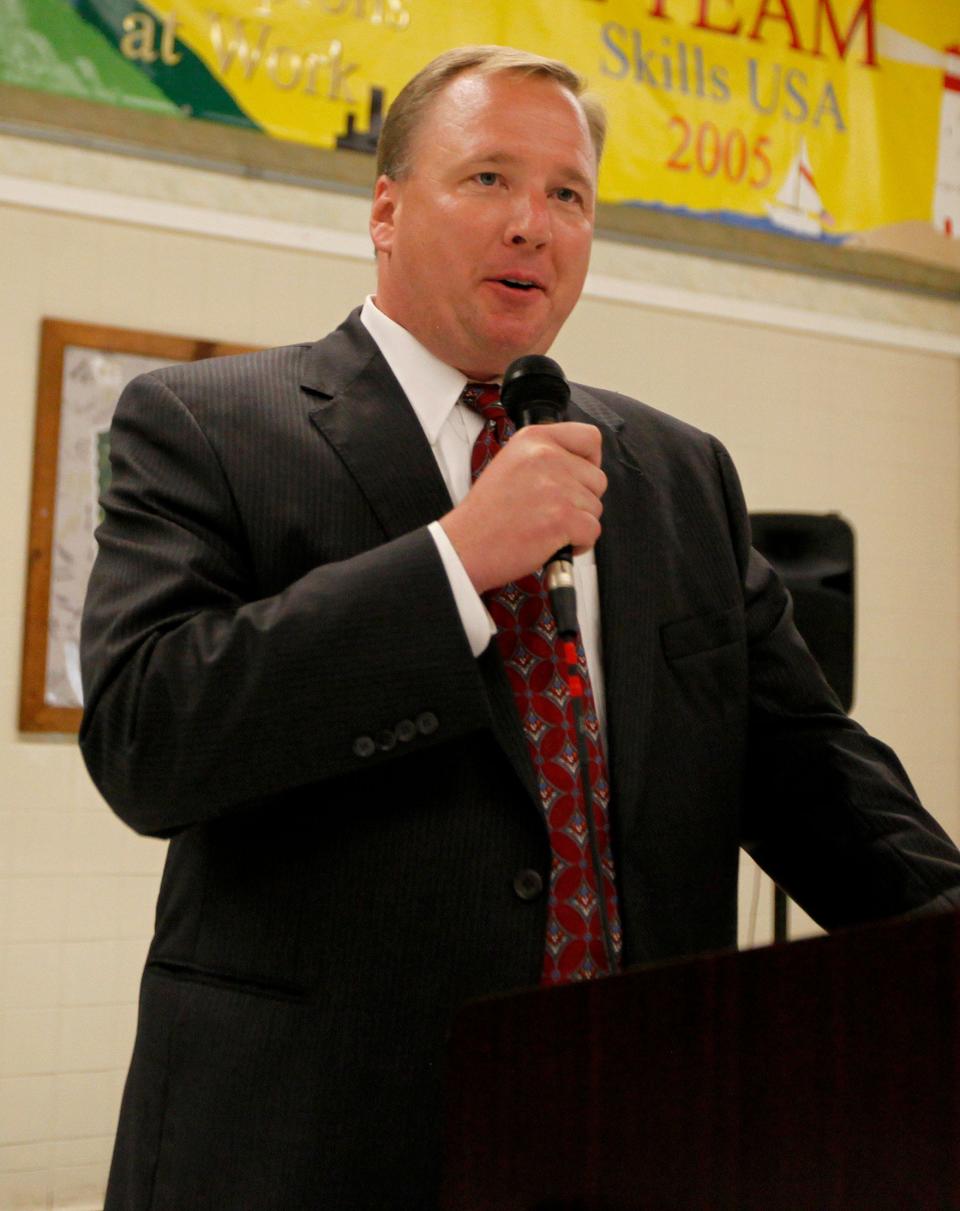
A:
(83, 368)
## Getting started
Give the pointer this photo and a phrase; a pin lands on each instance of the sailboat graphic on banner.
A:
(798, 207)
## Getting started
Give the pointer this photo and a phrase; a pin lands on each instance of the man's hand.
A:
(540, 493)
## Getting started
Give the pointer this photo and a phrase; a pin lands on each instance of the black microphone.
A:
(536, 392)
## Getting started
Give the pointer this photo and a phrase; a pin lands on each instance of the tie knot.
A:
(484, 398)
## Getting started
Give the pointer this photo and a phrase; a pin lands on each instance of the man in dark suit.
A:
(289, 673)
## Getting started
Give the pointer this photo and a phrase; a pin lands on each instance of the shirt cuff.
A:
(478, 626)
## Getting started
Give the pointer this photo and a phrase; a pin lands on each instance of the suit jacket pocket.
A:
(195, 973)
(704, 633)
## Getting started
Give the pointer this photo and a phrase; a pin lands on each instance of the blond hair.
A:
(407, 111)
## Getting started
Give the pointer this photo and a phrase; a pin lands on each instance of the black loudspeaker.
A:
(814, 554)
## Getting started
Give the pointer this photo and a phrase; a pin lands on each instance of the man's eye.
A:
(567, 195)
(487, 178)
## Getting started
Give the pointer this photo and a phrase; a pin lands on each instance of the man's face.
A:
(484, 245)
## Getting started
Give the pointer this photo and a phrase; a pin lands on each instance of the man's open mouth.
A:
(519, 283)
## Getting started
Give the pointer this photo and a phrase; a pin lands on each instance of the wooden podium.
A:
(813, 1076)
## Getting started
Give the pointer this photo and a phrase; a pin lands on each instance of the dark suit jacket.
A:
(266, 596)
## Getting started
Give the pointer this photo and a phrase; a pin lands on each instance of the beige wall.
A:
(835, 419)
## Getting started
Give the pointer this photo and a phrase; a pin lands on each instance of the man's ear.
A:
(383, 213)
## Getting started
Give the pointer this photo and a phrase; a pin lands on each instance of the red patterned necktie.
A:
(533, 657)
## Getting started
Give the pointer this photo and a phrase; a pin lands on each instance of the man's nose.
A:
(529, 221)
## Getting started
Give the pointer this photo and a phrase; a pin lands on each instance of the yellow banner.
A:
(831, 119)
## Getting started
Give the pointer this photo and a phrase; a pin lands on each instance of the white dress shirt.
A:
(433, 389)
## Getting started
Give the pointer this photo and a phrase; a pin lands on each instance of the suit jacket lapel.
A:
(624, 572)
(360, 409)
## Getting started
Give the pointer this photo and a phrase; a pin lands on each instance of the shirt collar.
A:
(431, 386)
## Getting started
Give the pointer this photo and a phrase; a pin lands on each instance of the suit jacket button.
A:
(427, 723)
(364, 746)
(406, 730)
(386, 739)
(527, 884)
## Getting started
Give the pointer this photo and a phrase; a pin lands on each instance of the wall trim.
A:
(774, 315)
(280, 233)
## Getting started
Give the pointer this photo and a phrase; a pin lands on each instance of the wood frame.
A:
(37, 713)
